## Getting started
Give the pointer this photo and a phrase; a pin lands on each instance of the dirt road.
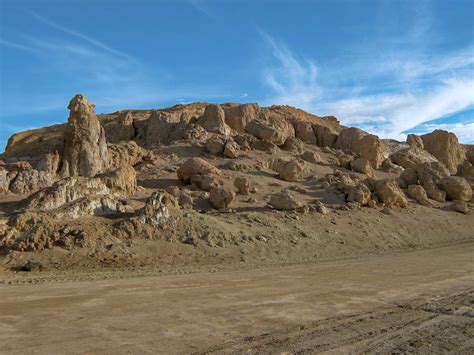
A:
(420, 300)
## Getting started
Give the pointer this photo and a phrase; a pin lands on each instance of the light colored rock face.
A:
(293, 170)
(159, 209)
(293, 144)
(285, 200)
(412, 158)
(311, 157)
(213, 120)
(185, 200)
(359, 193)
(30, 181)
(160, 127)
(415, 141)
(344, 160)
(349, 139)
(221, 197)
(390, 194)
(66, 191)
(85, 149)
(445, 147)
(362, 166)
(238, 116)
(460, 206)
(215, 145)
(125, 154)
(204, 182)
(470, 155)
(243, 185)
(456, 188)
(418, 193)
(122, 180)
(4, 180)
(196, 166)
(231, 150)
(275, 130)
(371, 148)
(91, 206)
(304, 131)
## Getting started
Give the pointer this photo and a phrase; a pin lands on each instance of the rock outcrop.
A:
(159, 209)
(221, 197)
(196, 166)
(445, 147)
(285, 200)
(85, 149)
(213, 120)
(390, 194)
(456, 188)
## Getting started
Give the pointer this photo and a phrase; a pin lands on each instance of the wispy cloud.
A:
(201, 7)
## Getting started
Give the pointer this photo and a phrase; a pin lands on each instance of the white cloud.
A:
(464, 131)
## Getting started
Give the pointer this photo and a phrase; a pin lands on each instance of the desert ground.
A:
(233, 228)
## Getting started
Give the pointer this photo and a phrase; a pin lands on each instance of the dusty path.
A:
(421, 300)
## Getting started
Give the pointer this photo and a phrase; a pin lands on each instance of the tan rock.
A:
(456, 188)
(85, 149)
(359, 193)
(415, 141)
(460, 206)
(371, 148)
(238, 116)
(125, 154)
(204, 182)
(243, 185)
(412, 158)
(215, 145)
(285, 200)
(410, 176)
(213, 120)
(445, 147)
(304, 131)
(221, 197)
(293, 144)
(159, 209)
(122, 129)
(160, 127)
(362, 166)
(293, 170)
(276, 130)
(390, 194)
(123, 180)
(311, 157)
(418, 193)
(29, 181)
(231, 150)
(325, 136)
(184, 197)
(195, 166)
(91, 206)
(4, 180)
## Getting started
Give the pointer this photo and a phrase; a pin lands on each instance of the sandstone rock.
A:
(371, 148)
(325, 136)
(85, 149)
(245, 141)
(123, 180)
(204, 182)
(50, 163)
(415, 141)
(215, 145)
(311, 157)
(470, 155)
(362, 166)
(276, 131)
(321, 208)
(213, 120)
(243, 185)
(359, 193)
(445, 147)
(460, 206)
(29, 181)
(125, 154)
(265, 146)
(231, 150)
(285, 200)
(304, 131)
(4, 181)
(344, 160)
(159, 209)
(160, 126)
(429, 174)
(122, 129)
(410, 176)
(418, 193)
(221, 197)
(411, 158)
(456, 188)
(238, 116)
(91, 206)
(293, 170)
(390, 194)
(349, 139)
(195, 166)
(390, 167)
(293, 144)
(185, 199)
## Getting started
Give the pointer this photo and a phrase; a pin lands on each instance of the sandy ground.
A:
(413, 301)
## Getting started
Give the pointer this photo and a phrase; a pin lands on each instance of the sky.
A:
(389, 67)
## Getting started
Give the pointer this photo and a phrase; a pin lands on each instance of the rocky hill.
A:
(231, 183)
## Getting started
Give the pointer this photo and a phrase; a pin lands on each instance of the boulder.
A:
(445, 147)
(285, 200)
(359, 193)
(390, 167)
(85, 148)
(411, 158)
(372, 149)
(243, 185)
(276, 130)
(344, 160)
(304, 132)
(91, 206)
(204, 182)
(390, 194)
(325, 136)
(122, 129)
(410, 176)
(245, 141)
(4, 180)
(213, 120)
(429, 175)
(456, 188)
(221, 197)
(238, 116)
(311, 157)
(49, 163)
(349, 139)
(185, 200)
(231, 150)
(215, 145)
(293, 144)
(418, 193)
(293, 170)
(123, 180)
(29, 181)
(415, 141)
(195, 166)
(125, 154)
(159, 209)
(460, 206)
(160, 126)
(362, 166)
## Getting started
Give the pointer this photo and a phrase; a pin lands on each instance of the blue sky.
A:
(389, 67)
